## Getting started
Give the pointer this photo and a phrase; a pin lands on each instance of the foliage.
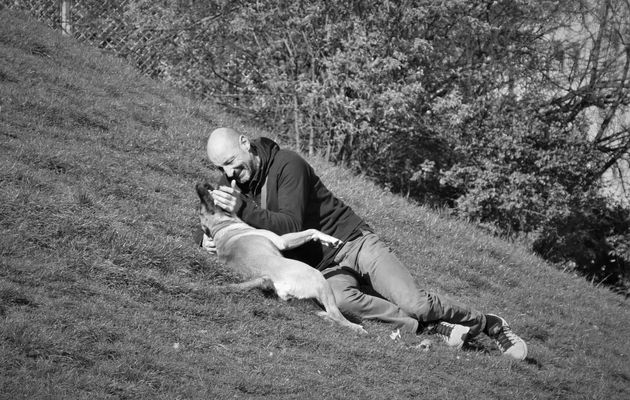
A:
(486, 107)
(517, 177)
(593, 238)
(510, 112)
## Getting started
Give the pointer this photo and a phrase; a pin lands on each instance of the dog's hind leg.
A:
(263, 283)
(327, 299)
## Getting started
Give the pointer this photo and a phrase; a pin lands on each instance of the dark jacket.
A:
(296, 200)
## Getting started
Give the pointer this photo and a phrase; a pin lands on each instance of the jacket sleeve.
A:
(290, 184)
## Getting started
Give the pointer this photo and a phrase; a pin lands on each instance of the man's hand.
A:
(228, 198)
(208, 244)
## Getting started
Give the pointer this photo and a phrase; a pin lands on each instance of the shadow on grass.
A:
(479, 346)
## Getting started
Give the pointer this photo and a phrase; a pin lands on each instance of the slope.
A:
(103, 295)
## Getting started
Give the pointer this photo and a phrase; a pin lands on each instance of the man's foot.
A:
(508, 342)
(453, 334)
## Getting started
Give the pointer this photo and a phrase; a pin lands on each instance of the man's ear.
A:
(244, 143)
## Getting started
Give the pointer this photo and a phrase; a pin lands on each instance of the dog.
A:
(256, 255)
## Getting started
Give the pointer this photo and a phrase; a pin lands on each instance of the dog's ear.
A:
(204, 194)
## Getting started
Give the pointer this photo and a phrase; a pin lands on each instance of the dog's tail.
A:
(327, 299)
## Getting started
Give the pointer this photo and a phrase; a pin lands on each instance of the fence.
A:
(105, 24)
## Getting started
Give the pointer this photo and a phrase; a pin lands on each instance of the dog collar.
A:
(220, 228)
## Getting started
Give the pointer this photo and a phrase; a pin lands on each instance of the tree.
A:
(591, 75)
(509, 111)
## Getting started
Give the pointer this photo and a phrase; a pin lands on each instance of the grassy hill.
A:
(104, 295)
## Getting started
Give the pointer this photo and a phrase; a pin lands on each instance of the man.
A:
(276, 189)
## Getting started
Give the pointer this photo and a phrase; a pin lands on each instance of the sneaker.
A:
(508, 342)
(453, 334)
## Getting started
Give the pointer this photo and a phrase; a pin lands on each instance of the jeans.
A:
(370, 282)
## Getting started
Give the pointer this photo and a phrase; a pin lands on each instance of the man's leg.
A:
(353, 301)
(375, 262)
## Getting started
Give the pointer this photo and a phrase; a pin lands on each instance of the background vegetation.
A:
(510, 113)
(104, 296)
(507, 112)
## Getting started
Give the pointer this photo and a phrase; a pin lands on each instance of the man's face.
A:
(235, 160)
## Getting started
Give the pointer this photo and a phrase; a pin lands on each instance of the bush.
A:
(593, 239)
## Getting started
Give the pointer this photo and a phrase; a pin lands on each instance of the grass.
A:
(104, 296)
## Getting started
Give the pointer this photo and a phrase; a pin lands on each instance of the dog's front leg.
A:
(292, 240)
(327, 240)
(296, 239)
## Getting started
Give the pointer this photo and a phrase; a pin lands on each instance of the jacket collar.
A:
(266, 149)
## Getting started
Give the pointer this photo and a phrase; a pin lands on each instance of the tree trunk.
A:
(296, 122)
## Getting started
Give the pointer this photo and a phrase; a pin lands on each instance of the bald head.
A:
(230, 151)
(220, 140)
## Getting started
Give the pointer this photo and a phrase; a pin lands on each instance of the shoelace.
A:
(444, 329)
(505, 338)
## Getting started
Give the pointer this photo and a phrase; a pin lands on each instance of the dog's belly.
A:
(255, 256)
(252, 255)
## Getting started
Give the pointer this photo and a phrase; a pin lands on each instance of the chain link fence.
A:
(107, 24)
(47, 11)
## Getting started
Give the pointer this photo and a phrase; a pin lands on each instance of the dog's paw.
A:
(328, 240)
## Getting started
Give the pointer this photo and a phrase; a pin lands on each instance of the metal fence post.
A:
(66, 21)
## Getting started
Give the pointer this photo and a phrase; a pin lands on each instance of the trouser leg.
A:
(375, 263)
(354, 301)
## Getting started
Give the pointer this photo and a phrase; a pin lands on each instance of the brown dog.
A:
(256, 254)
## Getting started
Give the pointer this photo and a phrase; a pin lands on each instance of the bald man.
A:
(276, 189)
(231, 153)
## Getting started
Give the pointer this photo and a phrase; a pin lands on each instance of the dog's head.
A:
(209, 213)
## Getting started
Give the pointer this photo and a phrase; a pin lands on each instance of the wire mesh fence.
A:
(107, 24)
(47, 11)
